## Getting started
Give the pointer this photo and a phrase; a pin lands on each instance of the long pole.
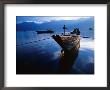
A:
(64, 29)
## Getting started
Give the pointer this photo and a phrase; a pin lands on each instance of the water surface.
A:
(40, 54)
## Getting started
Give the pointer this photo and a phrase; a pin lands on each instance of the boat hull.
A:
(42, 32)
(68, 43)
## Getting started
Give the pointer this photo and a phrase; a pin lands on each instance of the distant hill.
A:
(83, 26)
(55, 25)
(26, 26)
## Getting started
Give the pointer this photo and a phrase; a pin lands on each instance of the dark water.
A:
(40, 54)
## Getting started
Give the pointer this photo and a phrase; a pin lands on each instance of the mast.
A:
(64, 27)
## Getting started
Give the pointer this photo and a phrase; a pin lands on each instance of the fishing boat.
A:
(70, 43)
(67, 42)
(46, 31)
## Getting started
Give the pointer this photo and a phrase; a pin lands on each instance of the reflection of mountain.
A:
(83, 25)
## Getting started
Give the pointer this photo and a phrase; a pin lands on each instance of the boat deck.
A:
(67, 42)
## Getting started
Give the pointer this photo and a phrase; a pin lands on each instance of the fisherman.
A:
(78, 32)
(75, 31)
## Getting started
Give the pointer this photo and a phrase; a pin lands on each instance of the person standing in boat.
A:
(78, 32)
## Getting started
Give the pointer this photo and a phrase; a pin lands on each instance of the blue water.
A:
(41, 54)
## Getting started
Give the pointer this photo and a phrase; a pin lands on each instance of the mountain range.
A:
(57, 26)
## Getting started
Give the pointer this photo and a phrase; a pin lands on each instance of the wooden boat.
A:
(70, 47)
(70, 44)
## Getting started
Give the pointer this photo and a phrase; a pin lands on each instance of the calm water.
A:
(39, 53)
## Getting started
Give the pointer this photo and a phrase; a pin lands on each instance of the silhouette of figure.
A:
(78, 32)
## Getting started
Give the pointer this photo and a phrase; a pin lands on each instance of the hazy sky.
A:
(42, 19)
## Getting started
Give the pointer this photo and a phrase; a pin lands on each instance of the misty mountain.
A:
(57, 26)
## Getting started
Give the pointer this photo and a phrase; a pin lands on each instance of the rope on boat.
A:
(32, 41)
